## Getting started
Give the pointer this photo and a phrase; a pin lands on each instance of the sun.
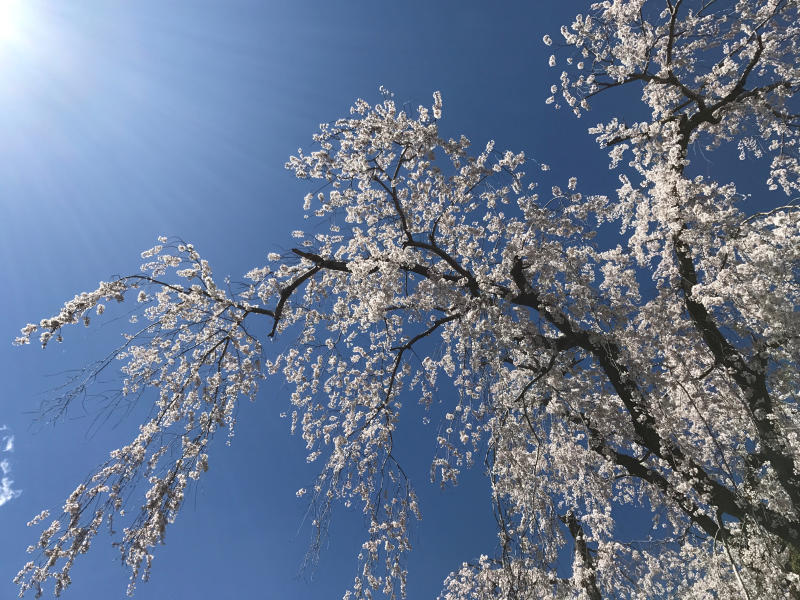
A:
(12, 17)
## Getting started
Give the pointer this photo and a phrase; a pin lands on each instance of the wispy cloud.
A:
(7, 491)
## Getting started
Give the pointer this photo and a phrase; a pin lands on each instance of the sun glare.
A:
(12, 14)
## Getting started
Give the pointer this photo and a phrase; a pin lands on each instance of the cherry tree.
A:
(657, 373)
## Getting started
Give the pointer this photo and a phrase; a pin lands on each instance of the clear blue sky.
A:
(122, 121)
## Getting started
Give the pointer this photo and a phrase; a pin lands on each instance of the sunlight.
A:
(12, 13)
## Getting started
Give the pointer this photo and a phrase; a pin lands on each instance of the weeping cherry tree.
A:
(656, 373)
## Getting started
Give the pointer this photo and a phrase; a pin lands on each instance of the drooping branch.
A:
(589, 574)
(607, 355)
(751, 378)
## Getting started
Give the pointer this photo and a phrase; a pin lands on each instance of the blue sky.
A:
(122, 121)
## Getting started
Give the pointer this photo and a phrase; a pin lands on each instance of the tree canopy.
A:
(653, 371)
